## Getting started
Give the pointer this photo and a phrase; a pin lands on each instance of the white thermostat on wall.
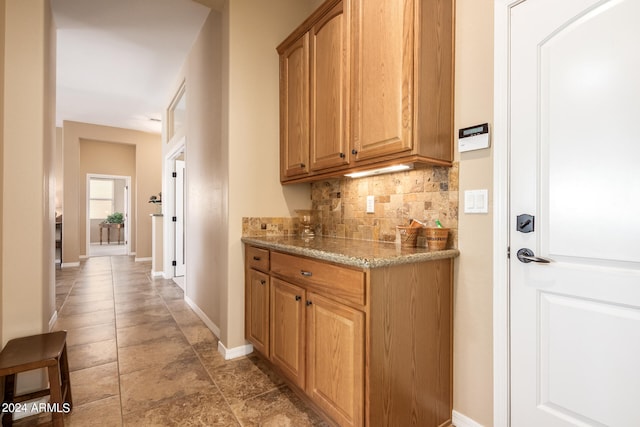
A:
(473, 138)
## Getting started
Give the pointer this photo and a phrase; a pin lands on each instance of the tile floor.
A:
(140, 356)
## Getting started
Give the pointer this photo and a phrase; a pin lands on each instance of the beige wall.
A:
(255, 29)
(206, 171)
(106, 158)
(473, 309)
(59, 171)
(28, 285)
(2, 83)
(231, 151)
(147, 177)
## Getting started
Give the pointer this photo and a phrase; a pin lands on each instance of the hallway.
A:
(140, 356)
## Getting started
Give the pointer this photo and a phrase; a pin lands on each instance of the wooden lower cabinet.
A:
(335, 359)
(257, 327)
(384, 361)
(288, 330)
(409, 354)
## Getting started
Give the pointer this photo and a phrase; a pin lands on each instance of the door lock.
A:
(525, 223)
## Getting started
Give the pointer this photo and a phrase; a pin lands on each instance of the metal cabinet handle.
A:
(342, 155)
(309, 302)
(298, 297)
(306, 273)
(263, 282)
(354, 151)
(256, 258)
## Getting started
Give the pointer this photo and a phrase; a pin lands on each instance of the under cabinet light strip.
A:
(380, 171)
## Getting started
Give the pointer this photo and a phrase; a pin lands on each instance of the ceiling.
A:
(118, 60)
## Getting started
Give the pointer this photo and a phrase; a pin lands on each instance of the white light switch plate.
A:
(370, 204)
(476, 201)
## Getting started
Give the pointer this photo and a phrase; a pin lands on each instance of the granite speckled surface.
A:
(357, 253)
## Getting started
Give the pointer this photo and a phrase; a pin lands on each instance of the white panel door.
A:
(574, 85)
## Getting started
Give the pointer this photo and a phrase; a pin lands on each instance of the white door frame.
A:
(127, 228)
(169, 205)
(179, 245)
(501, 230)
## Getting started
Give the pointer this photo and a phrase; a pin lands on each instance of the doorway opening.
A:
(175, 224)
(108, 213)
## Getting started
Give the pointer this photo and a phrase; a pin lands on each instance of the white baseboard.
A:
(83, 257)
(157, 274)
(142, 259)
(53, 320)
(460, 420)
(208, 322)
(227, 353)
(70, 264)
(235, 352)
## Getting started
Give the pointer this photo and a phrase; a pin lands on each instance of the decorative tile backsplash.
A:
(424, 194)
(269, 226)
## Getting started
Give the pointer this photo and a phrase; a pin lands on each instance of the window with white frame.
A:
(101, 198)
(177, 114)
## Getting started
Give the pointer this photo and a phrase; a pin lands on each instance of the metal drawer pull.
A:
(263, 282)
(256, 258)
(298, 297)
(306, 273)
(309, 303)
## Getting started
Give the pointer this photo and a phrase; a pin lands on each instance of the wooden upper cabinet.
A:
(329, 67)
(379, 90)
(402, 80)
(434, 81)
(382, 80)
(294, 108)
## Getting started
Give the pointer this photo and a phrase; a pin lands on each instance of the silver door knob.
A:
(526, 255)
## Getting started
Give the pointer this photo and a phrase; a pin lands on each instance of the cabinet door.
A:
(294, 109)
(382, 77)
(288, 329)
(329, 89)
(257, 311)
(335, 364)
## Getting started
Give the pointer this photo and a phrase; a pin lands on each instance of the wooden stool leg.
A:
(9, 392)
(56, 395)
(67, 397)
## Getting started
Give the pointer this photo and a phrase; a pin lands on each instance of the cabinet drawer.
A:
(257, 258)
(332, 280)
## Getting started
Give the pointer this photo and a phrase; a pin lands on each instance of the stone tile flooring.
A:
(140, 356)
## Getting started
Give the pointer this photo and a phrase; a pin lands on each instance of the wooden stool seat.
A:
(34, 352)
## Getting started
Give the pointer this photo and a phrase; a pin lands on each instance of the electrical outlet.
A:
(370, 204)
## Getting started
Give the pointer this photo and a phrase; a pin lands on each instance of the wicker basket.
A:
(437, 238)
(408, 236)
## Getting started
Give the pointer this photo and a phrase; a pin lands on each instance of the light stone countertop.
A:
(357, 253)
